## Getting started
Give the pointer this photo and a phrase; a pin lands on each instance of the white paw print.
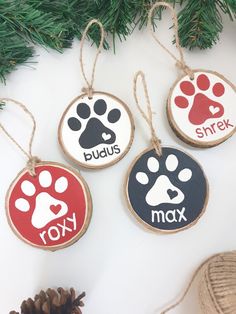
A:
(47, 208)
(163, 191)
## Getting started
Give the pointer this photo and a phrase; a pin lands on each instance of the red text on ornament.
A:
(213, 128)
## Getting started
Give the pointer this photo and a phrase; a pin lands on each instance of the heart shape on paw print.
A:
(172, 193)
(106, 136)
(55, 209)
(214, 110)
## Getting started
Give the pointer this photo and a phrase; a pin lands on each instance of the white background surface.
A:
(122, 267)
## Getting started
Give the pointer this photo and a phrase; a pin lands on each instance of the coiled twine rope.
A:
(217, 288)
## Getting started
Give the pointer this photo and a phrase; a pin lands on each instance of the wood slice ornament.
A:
(48, 205)
(201, 105)
(97, 128)
(166, 189)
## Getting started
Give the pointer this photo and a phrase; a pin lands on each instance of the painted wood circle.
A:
(202, 111)
(51, 210)
(97, 132)
(167, 193)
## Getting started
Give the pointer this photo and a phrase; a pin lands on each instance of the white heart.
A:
(106, 136)
(214, 110)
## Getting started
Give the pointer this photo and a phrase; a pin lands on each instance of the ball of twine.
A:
(217, 287)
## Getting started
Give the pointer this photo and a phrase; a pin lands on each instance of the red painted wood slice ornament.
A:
(97, 128)
(50, 210)
(96, 132)
(202, 111)
(201, 106)
(48, 205)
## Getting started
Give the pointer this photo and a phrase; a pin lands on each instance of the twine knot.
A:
(88, 90)
(183, 66)
(156, 143)
(31, 164)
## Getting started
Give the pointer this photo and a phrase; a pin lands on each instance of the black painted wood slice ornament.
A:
(166, 193)
(48, 205)
(201, 105)
(97, 128)
(166, 189)
(202, 110)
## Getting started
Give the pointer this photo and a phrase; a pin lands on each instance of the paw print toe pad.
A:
(181, 102)
(22, 204)
(74, 124)
(153, 164)
(187, 88)
(45, 179)
(61, 185)
(185, 175)
(171, 162)
(142, 178)
(203, 82)
(218, 89)
(28, 188)
(83, 111)
(100, 107)
(114, 116)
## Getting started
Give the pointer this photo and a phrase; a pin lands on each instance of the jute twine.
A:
(32, 160)
(156, 142)
(179, 62)
(89, 89)
(217, 288)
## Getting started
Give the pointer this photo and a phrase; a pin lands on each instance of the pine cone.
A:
(58, 301)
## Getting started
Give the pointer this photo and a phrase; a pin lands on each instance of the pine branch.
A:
(34, 25)
(21, 24)
(54, 23)
(14, 50)
(157, 16)
(199, 24)
(74, 13)
(117, 17)
(2, 104)
(228, 7)
(232, 5)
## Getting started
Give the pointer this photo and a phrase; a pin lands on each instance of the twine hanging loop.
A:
(179, 62)
(32, 160)
(148, 117)
(89, 88)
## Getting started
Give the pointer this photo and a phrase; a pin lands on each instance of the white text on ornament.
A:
(174, 215)
(54, 233)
